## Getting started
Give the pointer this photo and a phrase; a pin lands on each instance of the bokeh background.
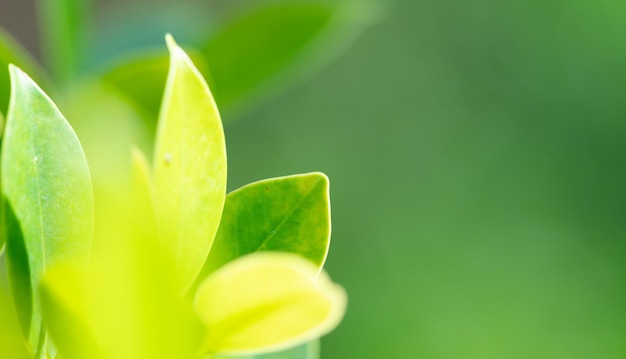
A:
(476, 155)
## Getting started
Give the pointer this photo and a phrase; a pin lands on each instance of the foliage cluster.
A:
(110, 256)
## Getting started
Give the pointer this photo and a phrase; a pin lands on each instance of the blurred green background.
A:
(476, 156)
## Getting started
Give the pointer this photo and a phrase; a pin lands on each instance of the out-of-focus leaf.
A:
(11, 52)
(140, 78)
(63, 33)
(189, 167)
(266, 302)
(108, 127)
(276, 43)
(309, 350)
(143, 210)
(286, 214)
(123, 305)
(48, 197)
(124, 27)
(63, 297)
(265, 49)
(2, 222)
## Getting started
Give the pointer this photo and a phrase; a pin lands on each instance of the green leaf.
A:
(11, 52)
(285, 214)
(143, 211)
(140, 78)
(63, 303)
(309, 350)
(48, 197)
(108, 128)
(275, 44)
(265, 49)
(62, 31)
(2, 221)
(265, 302)
(189, 167)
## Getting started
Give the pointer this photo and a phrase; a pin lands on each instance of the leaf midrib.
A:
(287, 217)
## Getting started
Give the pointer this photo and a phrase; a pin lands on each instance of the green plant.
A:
(177, 268)
(107, 256)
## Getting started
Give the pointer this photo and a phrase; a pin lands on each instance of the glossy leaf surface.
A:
(48, 196)
(286, 214)
(265, 302)
(189, 167)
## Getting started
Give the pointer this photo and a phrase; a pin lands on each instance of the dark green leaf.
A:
(286, 214)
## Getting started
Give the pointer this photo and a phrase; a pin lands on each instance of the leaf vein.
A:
(263, 244)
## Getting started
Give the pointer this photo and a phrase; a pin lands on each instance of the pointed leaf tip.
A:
(18, 77)
(177, 53)
(284, 214)
(189, 167)
(169, 40)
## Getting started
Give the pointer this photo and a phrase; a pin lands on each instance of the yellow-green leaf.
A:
(63, 302)
(309, 350)
(123, 305)
(285, 214)
(108, 128)
(48, 197)
(265, 302)
(143, 208)
(140, 77)
(189, 167)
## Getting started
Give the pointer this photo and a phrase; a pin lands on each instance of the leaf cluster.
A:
(112, 255)
(172, 266)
